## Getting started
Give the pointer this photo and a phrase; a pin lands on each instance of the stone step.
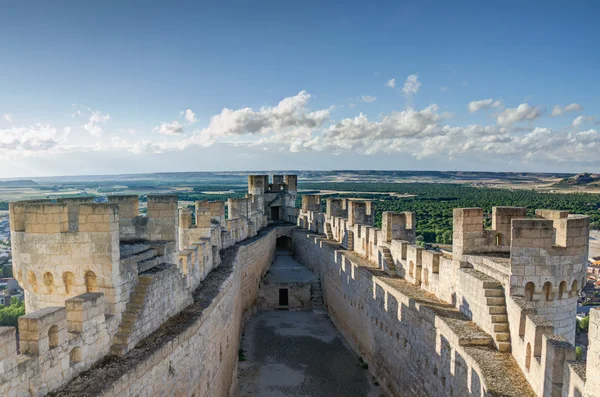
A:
(121, 339)
(499, 318)
(494, 292)
(497, 309)
(320, 313)
(118, 350)
(496, 301)
(134, 308)
(504, 347)
(502, 336)
(129, 318)
(492, 284)
(126, 328)
(149, 263)
(500, 327)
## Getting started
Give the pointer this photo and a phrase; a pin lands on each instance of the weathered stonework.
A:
(155, 304)
(517, 284)
(101, 278)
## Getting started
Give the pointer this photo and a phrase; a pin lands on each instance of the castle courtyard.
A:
(289, 353)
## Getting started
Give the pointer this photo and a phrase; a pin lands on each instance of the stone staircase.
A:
(389, 261)
(316, 298)
(149, 263)
(328, 231)
(496, 302)
(348, 240)
(122, 342)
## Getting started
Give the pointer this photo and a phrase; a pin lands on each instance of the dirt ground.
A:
(298, 354)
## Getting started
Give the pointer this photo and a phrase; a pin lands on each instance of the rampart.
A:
(100, 278)
(155, 303)
(513, 289)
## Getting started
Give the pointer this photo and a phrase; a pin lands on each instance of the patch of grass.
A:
(241, 355)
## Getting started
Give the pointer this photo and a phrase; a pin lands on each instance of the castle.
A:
(155, 303)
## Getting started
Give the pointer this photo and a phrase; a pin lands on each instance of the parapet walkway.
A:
(299, 354)
(286, 268)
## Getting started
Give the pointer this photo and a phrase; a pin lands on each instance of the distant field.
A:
(430, 194)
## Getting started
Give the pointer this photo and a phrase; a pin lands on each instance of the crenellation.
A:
(99, 278)
(42, 330)
(519, 281)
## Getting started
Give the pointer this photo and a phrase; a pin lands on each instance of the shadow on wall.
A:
(400, 340)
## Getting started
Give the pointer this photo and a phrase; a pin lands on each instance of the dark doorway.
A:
(275, 213)
(283, 297)
(284, 243)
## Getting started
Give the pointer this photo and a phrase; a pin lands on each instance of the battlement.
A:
(238, 208)
(311, 202)
(96, 282)
(208, 213)
(528, 270)
(128, 205)
(398, 226)
(279, 183)
(336, 207)
(360, 212)
(56, 343)
(64, 217)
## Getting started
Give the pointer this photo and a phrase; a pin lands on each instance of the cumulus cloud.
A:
(33, 138)
(391, 83)
(7, 116)
(290, 113)
(368, 98)
(189, 116)
(523, 112)
(558, 111)
(483, 104)
(582, 120)
(290, 124)
(173, 128)
(92, 126)
(411, 85)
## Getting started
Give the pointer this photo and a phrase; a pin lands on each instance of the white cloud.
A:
(583, 120)
(173, 128)
(92, 125)
(411, 85)
(189, 116)
(8, 117)
(291, 125)
(391, 83)
(444, 89)
(368, 98)
(523, 112)
(37, 137)
(290, 113)
(558, 111)
(483, 104)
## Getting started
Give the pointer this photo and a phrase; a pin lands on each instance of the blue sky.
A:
(103, 87)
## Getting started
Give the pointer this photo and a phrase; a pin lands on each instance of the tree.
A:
(584, 323)
(10, 314)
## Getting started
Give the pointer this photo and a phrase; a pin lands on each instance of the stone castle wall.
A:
(202, 360)
(101, 279)
(517, 282)
(413, 344)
